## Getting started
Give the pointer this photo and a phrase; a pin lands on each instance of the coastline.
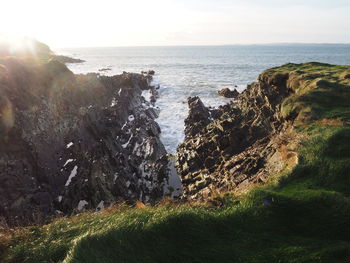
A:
(85, 166)
(282, 182)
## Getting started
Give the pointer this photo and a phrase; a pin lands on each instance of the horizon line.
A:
(214, 45)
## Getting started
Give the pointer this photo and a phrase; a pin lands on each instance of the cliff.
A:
(74, 142)
(29, 48)
(268, 176)
(243, 144)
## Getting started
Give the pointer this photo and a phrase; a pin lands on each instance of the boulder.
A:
(227, 93)
(104, 69)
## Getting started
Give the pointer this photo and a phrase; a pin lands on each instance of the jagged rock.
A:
(198, 117)
(149, 72)
(74, 142)
(227, 93)
(104, 69)
(232, 149)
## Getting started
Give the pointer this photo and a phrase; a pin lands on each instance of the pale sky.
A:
(93, 23)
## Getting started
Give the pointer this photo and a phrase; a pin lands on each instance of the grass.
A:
(248, 232)
(304, 217)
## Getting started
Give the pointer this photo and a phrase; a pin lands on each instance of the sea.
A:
(184, 71)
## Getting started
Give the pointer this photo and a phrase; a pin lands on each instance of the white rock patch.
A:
(67, 162)
(124, 125)
(115, 177)
(72, 174)
(127, 143)
(114, 102)
(100, 206)
(131, 118)
(82, 204)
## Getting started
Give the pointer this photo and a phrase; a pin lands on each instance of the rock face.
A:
(236, 145)
(198, 118)
(74, 142)
(227, 93)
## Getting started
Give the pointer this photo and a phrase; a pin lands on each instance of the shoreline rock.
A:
(75, 142)
(227, 93)
(104, 69)
(198, 117)
(65, 59)
(235, 147)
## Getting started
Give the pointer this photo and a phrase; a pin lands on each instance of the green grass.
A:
(321, 91)
(297, 226)
(305, 217)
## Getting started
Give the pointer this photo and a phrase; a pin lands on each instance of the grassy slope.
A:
(305, 217)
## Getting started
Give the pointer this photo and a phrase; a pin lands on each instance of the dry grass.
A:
(332, 122)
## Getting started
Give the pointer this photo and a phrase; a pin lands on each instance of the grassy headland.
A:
(303, 216)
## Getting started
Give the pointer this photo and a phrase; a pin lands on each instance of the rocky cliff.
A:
(296, 116)
(30, 48)
(73, 142)
(239, 144)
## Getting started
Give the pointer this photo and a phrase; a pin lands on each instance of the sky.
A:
(98, 23)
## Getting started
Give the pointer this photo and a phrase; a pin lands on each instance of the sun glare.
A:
(15, 44)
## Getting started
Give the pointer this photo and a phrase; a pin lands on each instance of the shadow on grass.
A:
(290, 227)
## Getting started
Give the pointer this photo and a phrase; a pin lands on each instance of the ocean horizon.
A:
(59, 49)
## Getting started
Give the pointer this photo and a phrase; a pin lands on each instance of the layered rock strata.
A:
(236, 145)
